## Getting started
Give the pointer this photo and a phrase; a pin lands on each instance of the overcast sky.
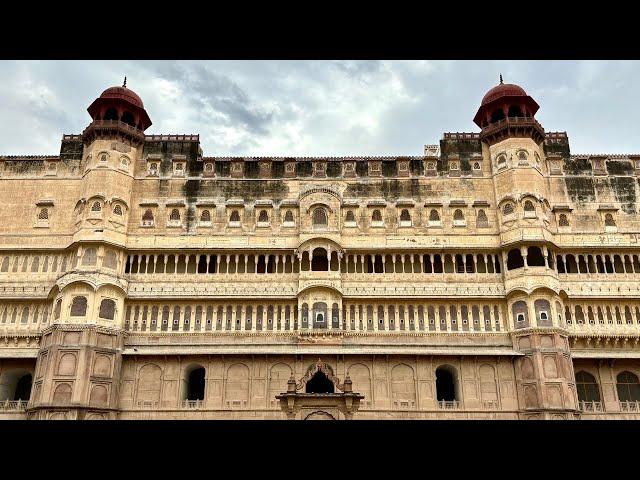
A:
(283, 108)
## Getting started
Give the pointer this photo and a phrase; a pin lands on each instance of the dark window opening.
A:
(23, 388)
(319, 383)
(535, 257)
(497, 115)
(587, 387)
(320, 262)
(127, 117)
(515, 111)
(514, 260)
(111, 114)
(628, 387)
(195, 386)
(445, 385)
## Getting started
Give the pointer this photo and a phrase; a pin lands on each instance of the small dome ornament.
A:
(124, 84)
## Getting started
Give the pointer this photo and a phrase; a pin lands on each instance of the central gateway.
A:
(319, 395)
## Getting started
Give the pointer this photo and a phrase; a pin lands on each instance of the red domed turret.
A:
(123, 93)
(503, 90)
(507, 110)
(121, 104)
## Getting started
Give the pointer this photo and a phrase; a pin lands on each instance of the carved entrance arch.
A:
(320, 415)
(319, 395)
(326, 370)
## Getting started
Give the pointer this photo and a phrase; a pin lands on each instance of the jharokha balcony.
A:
(107, 128)
(513, 127)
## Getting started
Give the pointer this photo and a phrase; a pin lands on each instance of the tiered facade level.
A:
(495, 276)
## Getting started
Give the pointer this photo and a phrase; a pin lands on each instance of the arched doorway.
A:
(320, 383)
(445, 385)
(319, 415)
(195, 384)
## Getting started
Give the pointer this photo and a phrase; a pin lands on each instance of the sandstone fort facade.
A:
(495, 276)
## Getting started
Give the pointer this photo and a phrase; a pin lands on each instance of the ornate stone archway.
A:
(297, 404)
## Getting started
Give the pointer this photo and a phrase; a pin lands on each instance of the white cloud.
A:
(318, 107)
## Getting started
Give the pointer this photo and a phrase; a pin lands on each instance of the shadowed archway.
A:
(319, 383)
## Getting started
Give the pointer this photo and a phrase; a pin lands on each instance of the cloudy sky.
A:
(269, 108)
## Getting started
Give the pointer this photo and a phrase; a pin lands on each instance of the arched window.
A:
(587, 387)
(319, 218)
(263, 217)
(520, 314)
(609, 221)
(445, 385)
(117, 210)
(515, 111)
(195, 383)
(90, 256)
(497, 115)
(319, 383)
(112, 114)
(514, 259)
(507, 209)
(482, 221)
(501, 161)
(153, 169)
(79, 306)
(376, 216)
(44, 214)
(563, 221)
(103, 158)
(175, 215)
(529, 209)
(96, 207)
(405, 218)
(458, 218)
(628, 387)
(205, 217)
(107, 309)
(434, 218)
(127, 117)
(350, 218)
(522, 156)
(235, 216)
(110, 260)
(147, 218)
(288, 217)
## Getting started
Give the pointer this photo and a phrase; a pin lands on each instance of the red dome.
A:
(123, 93)
(503, 90)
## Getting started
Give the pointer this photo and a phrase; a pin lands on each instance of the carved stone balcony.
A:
(109, 128)
(513, 127)
(530, 278)
(590, 406)
(330, 279)
(13, 406)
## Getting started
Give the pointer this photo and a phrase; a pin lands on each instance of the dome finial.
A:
(124, 84)
(500, 79)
